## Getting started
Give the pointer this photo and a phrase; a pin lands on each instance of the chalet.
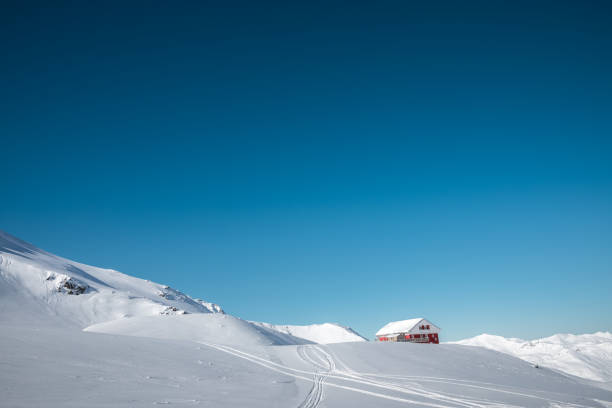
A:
(414, 331)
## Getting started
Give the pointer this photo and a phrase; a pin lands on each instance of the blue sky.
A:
(335, 162)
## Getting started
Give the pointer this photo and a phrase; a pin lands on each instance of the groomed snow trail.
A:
(413, 392)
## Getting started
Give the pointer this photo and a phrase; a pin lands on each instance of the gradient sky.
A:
(342, 162)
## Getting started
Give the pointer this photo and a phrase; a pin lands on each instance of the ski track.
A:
(325, 366)
(315, 395)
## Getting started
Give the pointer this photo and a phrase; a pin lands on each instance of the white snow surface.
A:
(585, 355)
(51, 367)
(216, 328)
(326, 333)
(38, 279)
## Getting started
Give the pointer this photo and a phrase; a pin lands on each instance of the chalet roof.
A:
(401, 326)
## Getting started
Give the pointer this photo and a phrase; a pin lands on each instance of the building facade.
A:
(417, 330)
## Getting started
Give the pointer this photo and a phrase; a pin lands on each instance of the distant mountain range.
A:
(585, 355)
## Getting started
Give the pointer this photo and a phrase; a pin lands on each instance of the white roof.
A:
(402, 326)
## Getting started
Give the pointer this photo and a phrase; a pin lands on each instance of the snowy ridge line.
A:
(417, 391)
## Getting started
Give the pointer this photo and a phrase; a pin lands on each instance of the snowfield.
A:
(79, 294)
(585, 355)
(217, 328)
(73, 335)
(58, 367)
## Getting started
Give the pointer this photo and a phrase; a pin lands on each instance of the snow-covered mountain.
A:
(36, 286)
(44, 286)
(585, 355)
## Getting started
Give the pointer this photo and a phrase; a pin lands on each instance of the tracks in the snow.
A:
(324, 365)
(404, 389)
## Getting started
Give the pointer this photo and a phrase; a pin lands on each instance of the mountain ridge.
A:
(39, 286)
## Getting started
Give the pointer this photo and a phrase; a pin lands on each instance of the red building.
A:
(413, 330)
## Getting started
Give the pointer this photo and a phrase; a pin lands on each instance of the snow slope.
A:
(586, 355)
(326, 333)
(65, 367)
(37, 287)
(216, 328)
(69, 292)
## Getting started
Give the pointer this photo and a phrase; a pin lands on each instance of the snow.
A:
(326, 333)
(56, 367)
(586, 355)
(65, 367)
(146, 344)
(406, 326)
(107, 301)
(97, 295)
(216, 328)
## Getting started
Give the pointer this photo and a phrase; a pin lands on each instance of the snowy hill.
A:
(39, 287)
(586, 355)
(326, 333)
(215, 328)
(52, 367)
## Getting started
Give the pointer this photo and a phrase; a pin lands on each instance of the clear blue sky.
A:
(338, 162)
